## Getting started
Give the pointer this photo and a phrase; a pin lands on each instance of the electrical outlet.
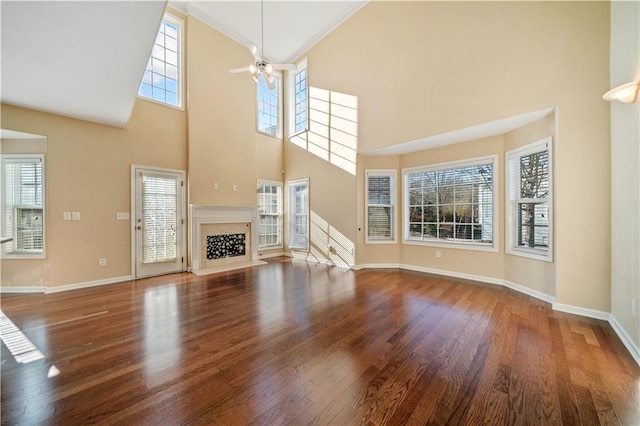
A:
(438, 254)
(102, 261)
(633, 307)
(122, 216)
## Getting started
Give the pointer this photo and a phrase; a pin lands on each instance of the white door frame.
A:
(182, 201)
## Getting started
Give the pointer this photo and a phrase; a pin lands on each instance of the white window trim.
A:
(291, 98)
(494, 247)
(179, 23)
(22, 255)
(289, 184)
(278, 134)
(511, 211)
(394, 202)
(280, 215)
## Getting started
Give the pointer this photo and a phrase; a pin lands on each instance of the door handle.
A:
(139, 228)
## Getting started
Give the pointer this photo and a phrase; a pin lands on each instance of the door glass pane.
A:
(159, 219)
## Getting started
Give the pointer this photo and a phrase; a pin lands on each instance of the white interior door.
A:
(158, 222)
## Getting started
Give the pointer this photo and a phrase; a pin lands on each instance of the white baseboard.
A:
(627, 341)
(76, 286)
(26, 290)
(270, 255)
(585, 312)
(480, 278)
(576, 310)
(530, 292)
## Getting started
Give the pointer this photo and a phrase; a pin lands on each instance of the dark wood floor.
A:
(292, 343)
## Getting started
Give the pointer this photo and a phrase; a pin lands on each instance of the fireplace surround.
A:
(222, 238)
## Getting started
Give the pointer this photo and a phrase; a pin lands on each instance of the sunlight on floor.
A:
(18, 344)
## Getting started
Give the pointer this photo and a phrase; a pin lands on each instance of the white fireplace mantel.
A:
(211, 214)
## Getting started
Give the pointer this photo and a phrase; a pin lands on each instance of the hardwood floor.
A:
(292, 343)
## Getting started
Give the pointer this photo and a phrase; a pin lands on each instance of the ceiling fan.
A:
(262, 65)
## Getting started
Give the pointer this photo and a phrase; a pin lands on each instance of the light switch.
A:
(66, 215)
(122, 215)
(75, 215)
(235, 188)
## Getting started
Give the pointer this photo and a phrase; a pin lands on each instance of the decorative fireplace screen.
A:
(229, 245)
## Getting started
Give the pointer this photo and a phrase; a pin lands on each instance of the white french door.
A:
(158, 221)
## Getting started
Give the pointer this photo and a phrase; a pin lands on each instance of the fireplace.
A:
(222, 238)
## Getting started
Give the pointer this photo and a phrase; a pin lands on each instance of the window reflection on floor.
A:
(162, 336)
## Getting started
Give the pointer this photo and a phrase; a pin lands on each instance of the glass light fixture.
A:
(256, 77)
(252, 69)
(625, 93)
(268, 68)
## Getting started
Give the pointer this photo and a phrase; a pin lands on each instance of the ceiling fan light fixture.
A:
(625, 93)
(252, 69)
(256, 77)
(268, 68)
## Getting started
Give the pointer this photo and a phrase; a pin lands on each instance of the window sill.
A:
(532, 254)
(22, 256)
(461, 246)
(374, 242)
(153, 101)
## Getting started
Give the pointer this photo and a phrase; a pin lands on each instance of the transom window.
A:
(298, 108)
(451, 203)
(269, 214)
(529, 208)
(162, 77)
(269, 121)
(23, 199)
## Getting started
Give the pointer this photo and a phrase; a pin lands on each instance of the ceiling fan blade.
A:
(254, 51)
(286, 67)
(237, 70)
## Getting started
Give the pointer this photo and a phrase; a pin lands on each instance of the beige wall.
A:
(88, 168)
(531, 273)
(448, 65)
(474, 262)
(625, 168)
(443, 66)
(223, 145)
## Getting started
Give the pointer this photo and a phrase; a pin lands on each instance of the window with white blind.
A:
(159, 219)
(452, 204)
(269, 107)
(529, 213)
(23, 212)
(162, 80)
(298, 105)
(269, 214)
(299, 214)
(381, 199)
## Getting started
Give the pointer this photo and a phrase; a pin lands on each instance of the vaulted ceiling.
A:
(85, 59)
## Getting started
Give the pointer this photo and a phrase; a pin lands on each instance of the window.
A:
(298, 99)
(269, 121)
(529, 231)
(451, 203)
(299, 214)
(162, 78)
(269, 214)
(23, 205)
(380, 219)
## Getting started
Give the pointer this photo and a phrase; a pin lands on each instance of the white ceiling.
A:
(290, 28)
(85, 59)
(480, 131)
(80, 59)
